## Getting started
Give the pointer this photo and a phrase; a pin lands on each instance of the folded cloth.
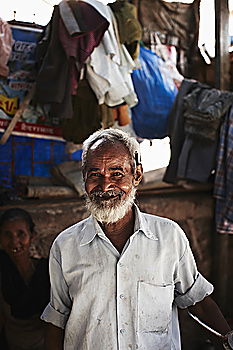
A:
(204, 108)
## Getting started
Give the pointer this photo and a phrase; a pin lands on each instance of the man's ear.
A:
(138, 173)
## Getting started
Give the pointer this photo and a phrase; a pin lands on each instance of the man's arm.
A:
(209, 313)
(54, 337)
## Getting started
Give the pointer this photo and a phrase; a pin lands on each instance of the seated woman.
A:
(24, 284)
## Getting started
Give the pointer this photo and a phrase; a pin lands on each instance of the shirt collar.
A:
(142, 224)
(91, 228)
(88, 230)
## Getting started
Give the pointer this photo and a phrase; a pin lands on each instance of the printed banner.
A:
(18, 82)
(37, 130)
(21, 69)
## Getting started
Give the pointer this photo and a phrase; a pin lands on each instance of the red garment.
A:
(91, 26)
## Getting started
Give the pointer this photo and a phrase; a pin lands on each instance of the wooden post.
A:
(222, 82)
(222, 59)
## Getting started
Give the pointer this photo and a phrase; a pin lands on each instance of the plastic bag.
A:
(156, 92)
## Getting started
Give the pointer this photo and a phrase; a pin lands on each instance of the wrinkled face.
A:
(15, 238)
(109, 181)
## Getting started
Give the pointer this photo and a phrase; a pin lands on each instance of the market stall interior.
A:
(153, 68)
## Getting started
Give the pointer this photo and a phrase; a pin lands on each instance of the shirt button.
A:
(122, 331)
(122, 296)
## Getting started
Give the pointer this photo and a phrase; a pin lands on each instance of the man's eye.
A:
(21, 233)
(94, 175)
(118, 174)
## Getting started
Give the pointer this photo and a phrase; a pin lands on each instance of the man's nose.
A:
(106, 183)
(14, 239)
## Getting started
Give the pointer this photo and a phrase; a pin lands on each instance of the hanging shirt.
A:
(74, 30)
(81, 29)
(110, 65)
(107, 300)
(130, 29)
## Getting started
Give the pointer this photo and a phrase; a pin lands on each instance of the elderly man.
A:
(118, 276)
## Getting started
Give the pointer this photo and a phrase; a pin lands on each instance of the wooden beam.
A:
(222, 60)
(222, 82)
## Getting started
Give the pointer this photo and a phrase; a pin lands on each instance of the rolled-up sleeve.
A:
(58, 309)
(199, 290)
(190, 286)
(53, 316)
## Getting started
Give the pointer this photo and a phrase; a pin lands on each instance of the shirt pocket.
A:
(154, 307)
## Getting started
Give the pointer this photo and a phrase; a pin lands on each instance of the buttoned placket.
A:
(122, 298)
(121, 291)
(123, 327)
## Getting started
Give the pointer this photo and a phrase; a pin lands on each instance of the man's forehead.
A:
(115, 153)
(109, 147)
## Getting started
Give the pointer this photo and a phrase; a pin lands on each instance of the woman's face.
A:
(15, 238)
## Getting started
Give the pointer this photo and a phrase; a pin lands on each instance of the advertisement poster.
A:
(18, 82)
(21, 69)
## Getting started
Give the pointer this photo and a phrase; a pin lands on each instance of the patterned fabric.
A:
(223, 186)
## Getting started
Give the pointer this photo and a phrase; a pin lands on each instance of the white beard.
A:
(109, 211)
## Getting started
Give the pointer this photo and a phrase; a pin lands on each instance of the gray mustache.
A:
(106, 194)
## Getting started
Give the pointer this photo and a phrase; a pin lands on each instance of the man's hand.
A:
(228, 341)
(209, 313)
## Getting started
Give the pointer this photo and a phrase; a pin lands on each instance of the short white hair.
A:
(111, 136)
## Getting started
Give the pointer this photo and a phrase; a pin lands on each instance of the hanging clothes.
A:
(198, 107)
(81, 30)
(204, 109)
(176, 130)
(110, 65)
(223, 183)
(75, 29)
(52, 81)
(87, 117)
(130, 29)
(177, 24)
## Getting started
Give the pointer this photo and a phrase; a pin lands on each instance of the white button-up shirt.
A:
(110, 65)
(110, 301)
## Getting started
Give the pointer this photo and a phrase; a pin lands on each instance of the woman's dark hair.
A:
(17, 213)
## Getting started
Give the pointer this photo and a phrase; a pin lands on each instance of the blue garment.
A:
(156, 93)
